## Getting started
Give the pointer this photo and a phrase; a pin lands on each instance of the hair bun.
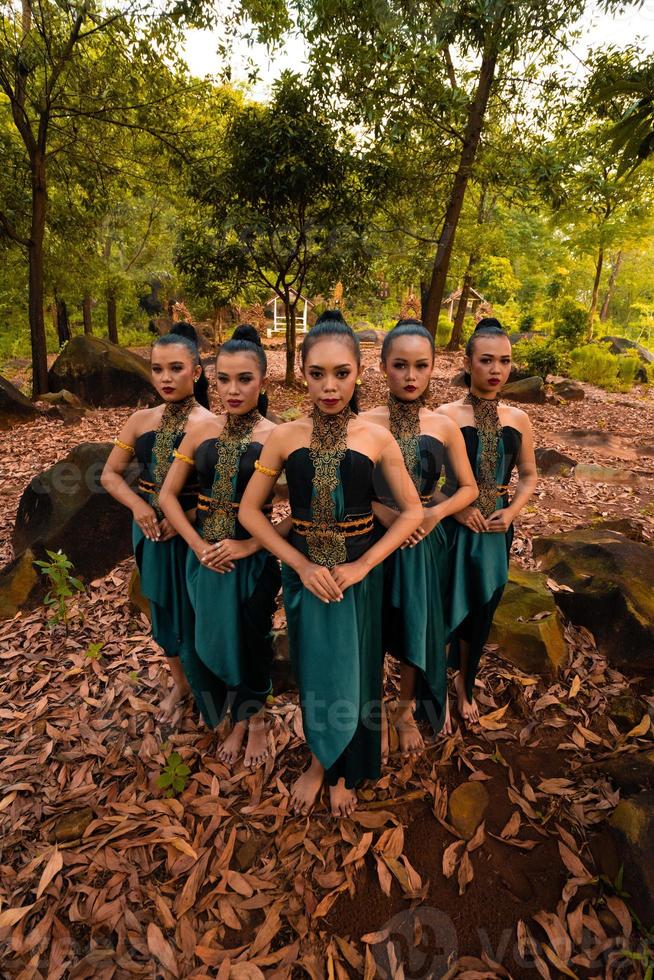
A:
(489, 323)
(331, 316)
(184, 329)
(245, 331)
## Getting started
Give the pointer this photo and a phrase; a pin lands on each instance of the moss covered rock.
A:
(65, 507)
(632, 830)
(527, 627)
(14, 406)
(100, 373)
(612, 583)
(528, 390)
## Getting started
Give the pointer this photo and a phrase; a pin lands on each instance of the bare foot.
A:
(231, 746)
(467, 709)
(256, 750)
(306, 788)
(448, 728)
(173, 700)
(344, 801)
(411, 742)
(385, 749)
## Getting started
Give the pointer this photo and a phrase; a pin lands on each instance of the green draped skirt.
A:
(479, 571)
(414, 629)
(161, 566)
(231, 661)
(336, 653)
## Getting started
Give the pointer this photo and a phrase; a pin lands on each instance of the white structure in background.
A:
(279, 318)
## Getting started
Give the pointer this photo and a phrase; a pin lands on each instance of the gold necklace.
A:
(489, 430)
(173, 422)
(230, 446)
(404, 423)
(325, 542)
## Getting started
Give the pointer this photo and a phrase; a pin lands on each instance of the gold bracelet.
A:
(266, 470)
(184, 459)
(123, 445)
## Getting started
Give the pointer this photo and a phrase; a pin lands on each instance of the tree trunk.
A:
(289, 312)
(615, 269)
(86, 314)
(60, 317)
(457, 329)
(596, 286)
(35, 276)
(112, 316)
(471, 139)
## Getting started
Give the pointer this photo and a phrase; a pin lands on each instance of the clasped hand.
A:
(220, 556)
(330, 584)
(153, 528)
(498, 522)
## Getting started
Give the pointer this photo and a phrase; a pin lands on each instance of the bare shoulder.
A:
(264, 429)
(380, 434)
(144, 419)
(450, 408)
(201, 414)
(377, 415)
(517, 417)
(440, 424)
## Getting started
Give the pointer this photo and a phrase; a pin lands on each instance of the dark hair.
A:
(184, 335)
(406, 328)
(331, 323)
(488, 326)
(246, 340)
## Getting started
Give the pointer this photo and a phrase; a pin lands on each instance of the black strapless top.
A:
(355, 497)
(511, 441)
(147, 487)
(206, 456)
(432, 454)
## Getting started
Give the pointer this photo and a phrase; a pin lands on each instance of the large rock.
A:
(369, 336)
(14, 406)
(596, 473)
(631, 772)
(620, 345)
(527, 627)
(65, 507)
(570, 391)
(550, 462)
(100, 373)
(612, 582)
(529, 390)
(627, 845)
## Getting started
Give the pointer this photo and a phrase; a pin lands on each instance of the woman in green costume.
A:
(232, 582)
(416, 575)
(332, 573)
(152, 435)
(498, 438)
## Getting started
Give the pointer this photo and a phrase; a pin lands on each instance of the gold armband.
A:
(124, 445)
(184, 459)
(266, 470)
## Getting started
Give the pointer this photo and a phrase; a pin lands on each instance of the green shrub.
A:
(628, 367)
(571, 323)
(527, 323)
(443, 330)
(541, 356)
(595, 364)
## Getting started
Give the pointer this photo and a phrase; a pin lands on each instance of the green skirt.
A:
(232, 656)
(337, 657)
(161, 566)
(479, 571)
(414, 629)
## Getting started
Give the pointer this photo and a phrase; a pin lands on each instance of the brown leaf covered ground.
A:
(101, 875)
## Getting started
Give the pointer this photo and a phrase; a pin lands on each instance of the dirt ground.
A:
(220, 881)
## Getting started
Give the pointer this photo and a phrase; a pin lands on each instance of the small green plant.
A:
(133, 677)
(595, 364)
(93, 651)
(571, 323)
(628, 367)
(542, 356)
(174, 775)
(63, 585)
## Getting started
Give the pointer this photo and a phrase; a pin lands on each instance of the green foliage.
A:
(174, 775)
(541, 356)
(629, 365)
(571, 323)
(595, 364)
(93, 651)
(443, 330)
(496, 279)
(63, 585)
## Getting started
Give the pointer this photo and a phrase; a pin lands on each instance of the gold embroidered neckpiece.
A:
(489, 430)
(325, 541)
(173, 422)
(404, 423)
(230, 446)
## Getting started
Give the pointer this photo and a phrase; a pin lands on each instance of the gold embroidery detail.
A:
(362, 525)
(230, 446)
(404, 423)
(489, 430)
(124, 445)
(173, 422)
(325, 540)
(266, 470)
(184, 459)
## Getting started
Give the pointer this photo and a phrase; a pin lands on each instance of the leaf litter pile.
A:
(105, 872)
